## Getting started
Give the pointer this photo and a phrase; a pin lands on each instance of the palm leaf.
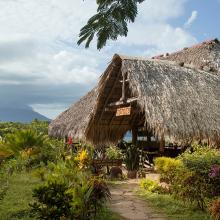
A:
(110, 22)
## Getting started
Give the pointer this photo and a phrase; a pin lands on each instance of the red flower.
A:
(70, 140)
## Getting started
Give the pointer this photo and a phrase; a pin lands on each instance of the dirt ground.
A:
(129, 206)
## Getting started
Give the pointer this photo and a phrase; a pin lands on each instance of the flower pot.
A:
(142, 175)
(132, 174)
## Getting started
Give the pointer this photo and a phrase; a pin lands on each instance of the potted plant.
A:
(132, 159)
(115, 155)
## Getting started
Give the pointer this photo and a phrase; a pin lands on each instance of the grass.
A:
(172, 208)
(108, 215)
(15, 204)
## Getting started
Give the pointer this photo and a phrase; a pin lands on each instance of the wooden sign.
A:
(123, 111)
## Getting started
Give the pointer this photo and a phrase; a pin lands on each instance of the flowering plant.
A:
(214, 171)
(83, 158)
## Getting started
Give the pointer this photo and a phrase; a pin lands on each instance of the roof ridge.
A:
(199, 45)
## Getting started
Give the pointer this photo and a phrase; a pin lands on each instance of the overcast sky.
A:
(41, 65)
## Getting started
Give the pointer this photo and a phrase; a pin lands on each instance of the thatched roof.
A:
(204, 56)
(174, 101)
(74, 120)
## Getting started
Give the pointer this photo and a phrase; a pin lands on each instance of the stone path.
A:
(126, 204)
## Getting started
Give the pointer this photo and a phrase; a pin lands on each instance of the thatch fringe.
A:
(73, 122)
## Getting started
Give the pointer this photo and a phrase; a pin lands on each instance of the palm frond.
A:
(110, 22)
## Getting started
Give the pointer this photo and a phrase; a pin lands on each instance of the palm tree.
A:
(22, 140)
(110, 22)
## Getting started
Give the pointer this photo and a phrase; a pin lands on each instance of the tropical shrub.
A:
(167, 167)
(132, 157)
(83, 159)
(214, 209)
(51, 151)
(86, 194)
(53, 201)
(10, 127)
(205, 163)
(22, 140)
(113, 152)
(151, 185)
(194, 176)
(40, 173)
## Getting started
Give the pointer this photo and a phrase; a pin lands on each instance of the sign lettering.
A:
(123, 111)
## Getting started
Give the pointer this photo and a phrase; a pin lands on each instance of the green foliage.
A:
(66, 190)
(51, 151)
(214, 209)
(113, 153)
(172, 208)
(3, 184)
(193, 177)
(88, 193)
(23, 139)
(110, 22)
(15, 137)
(167, 167)
(11, 127)
(53, 201)
(39, 172)
(5, 152)
(48, 150)
(15, 204)
(132, 157)
(151, 185)
(201, 161)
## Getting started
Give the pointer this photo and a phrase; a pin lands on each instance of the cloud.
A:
(158, 38)
(152, 31)
(158, 10)
(41, 64)
(191, 19)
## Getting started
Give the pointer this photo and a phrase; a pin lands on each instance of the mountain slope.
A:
(20, 115)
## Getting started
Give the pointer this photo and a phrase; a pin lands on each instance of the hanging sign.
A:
(123, 111)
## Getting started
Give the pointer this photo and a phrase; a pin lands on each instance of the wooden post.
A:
(134, 135)
(123, 88)
(162, 145)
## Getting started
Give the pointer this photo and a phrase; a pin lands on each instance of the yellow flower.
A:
(83, 158)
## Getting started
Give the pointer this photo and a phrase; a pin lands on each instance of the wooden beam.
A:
(123, 88)
(110, 93)
(134, 135)
(127, 80)
(110, 109)
(127, 101)
(162, 145)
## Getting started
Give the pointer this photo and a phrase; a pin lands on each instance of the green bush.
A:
(205, 163)
(167, 167)
(151, 185)
(113, 153)
(88, 193)
(194, 176)
(132, 157)
(51, 151)
(53, 201)
(24, 139)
